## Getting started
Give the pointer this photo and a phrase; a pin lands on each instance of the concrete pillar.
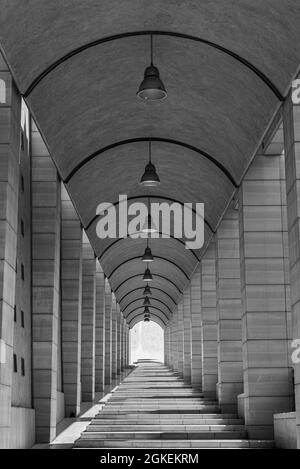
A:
(229, 313)
(265, 295)
(100, 330)
(71, 298)
(291, 127)
(167, 345)
(187, 335)
(196, 318)
(180, 338)
(127, 345)
(88, 322)
(10, 131)
(46, 230)
(108, 334)
(118, 340)
(124, 344)
(175, 339)
(209, 322)
(114, 338)
(122, 341)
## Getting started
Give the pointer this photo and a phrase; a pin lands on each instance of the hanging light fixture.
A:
(146, 319)
(150, 177)
(151, 88)
(148, 226)
(147, 275)
(147, 301)
(147, 257)
(147, 290)
(146, 311)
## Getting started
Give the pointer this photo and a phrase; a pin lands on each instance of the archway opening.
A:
(146, 342)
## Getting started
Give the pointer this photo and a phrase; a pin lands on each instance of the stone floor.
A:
(154, 408)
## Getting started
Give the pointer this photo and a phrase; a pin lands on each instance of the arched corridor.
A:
(149, 223)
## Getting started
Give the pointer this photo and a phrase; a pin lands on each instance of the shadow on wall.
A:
(146, 341)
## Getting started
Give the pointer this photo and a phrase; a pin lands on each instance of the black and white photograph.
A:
(149, 229)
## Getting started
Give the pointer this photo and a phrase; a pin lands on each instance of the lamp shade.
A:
(147, 290)
(147, 257)
(146, 319)
(147, 276)
(146, 311)
(151, 88)
(150, 177)
(146, 301)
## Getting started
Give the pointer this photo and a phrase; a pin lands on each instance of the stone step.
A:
(157, 435)
(170, 422)
(197, 444)
(95, 427)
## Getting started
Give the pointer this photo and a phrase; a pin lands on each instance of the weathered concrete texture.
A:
(196, 318)
(108, 333)
(100, 330)
(187, 334)
(285, 434)
(71, 303)
(209, 322)
(265, 295)
(229, 312)
(291, 125)
(88, 322)
(114, 338)
(180, 338)
(9, 185)
(46, 204)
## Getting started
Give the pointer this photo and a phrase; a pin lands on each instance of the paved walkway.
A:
(154, 408)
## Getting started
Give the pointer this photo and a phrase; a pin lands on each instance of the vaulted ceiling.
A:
(227, 66)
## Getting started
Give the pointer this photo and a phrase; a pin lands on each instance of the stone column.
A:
(122, 341)
(10, 131)
(175, 339)
(167, 345)
(209, 322)
(100, 330)
(114, 338)
(187, 335)
(229, 313)
(46, 230)
(118, 340)
(291, 126)
(88, 322)
(71, 298)
(124, 344)
(127, 345)
(180, 338)
(196, 318)
(265, 295)
(108, 335)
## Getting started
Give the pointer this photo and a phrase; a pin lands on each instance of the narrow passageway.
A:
(154, 408)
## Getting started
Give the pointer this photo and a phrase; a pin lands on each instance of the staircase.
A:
(154, 408)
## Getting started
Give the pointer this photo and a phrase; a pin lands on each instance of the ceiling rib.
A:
(115, 37)
(156, 257)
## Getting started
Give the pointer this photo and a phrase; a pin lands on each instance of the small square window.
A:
(15, 313)
(22, 228)
(23, 366)
(22, 319)
(15, 363)
(22, 272)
